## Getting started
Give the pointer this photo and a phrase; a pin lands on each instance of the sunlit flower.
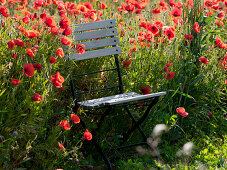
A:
(61, 146)
(87, 135)
(29, 69)
(37, 66)
(75, 118)
(57, 80)
(65, 124)
(66, 41)
(52, 60)
(15, 81)
(182, 111)
(196, 27)
(37, 97)
(204, 60)
(145, 90)
(60, 52)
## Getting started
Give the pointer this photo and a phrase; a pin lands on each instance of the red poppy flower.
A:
(196, 27)
(67, 31)
(176, 12)
(145, 90)
(60, 52)
(166, 69)
(87, 135)
(14, 55)
(75, 118)
(50, 22)
(19, 43)
(30, 52)
(156, 11)
(188, 37)
(26, 20)
(62, 13)
(66, 41)
(102, 5)
(32, 33)
(11, 44)
(37, 97)
(52, 60)
(15, 81)
(153, 28)
(29, 69)
(169, 64)
(57, 80)
(37, 66)
(182, 112)
(65, 124)
(133, 48)
(204, 60)
(64, 23)
(170, 34)
(43, 15)
(80, 48)
(170, 75)
(61, 146)
(126, 64)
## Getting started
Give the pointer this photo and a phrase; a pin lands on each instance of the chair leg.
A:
(103, 117)
(94, 141)
(105, 158)
(134, 121)
(137, 123)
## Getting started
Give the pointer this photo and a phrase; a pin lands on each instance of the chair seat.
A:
(118, 99)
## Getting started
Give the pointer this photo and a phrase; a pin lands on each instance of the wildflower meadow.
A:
(177, 46)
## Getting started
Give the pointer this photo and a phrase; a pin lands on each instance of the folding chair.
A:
(96, 37)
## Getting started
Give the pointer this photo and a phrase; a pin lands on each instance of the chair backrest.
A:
(99, 40)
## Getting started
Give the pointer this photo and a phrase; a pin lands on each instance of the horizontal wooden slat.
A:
(133, 98)
(95, 34)
(101, 101)
(96, 53)
(94, 25)
(101, 43)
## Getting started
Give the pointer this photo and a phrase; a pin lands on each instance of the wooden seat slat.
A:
(101, 43)
(95, 34)
(94, 25)
(96, 53)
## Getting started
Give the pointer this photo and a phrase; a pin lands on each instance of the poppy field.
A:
(177, 46)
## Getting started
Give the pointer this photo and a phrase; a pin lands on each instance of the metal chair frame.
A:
(105, 29)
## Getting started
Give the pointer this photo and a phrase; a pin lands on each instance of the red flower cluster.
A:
(61, 146)
(182, 112)
(170, 74)
(15, 81)
(145, 90)
(87, 135)
(29, 69)
(188, 37)
(37, 97)
(75, 118)
(80, 48)
(60, 52)
(204, 60)
(196, 27)
(65, 124)
(57, 80)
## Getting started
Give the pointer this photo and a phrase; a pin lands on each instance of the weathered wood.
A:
(95, 34)
(101, 101)
(101, 43)
(96, 53)
(133, 98)
(94, 25)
